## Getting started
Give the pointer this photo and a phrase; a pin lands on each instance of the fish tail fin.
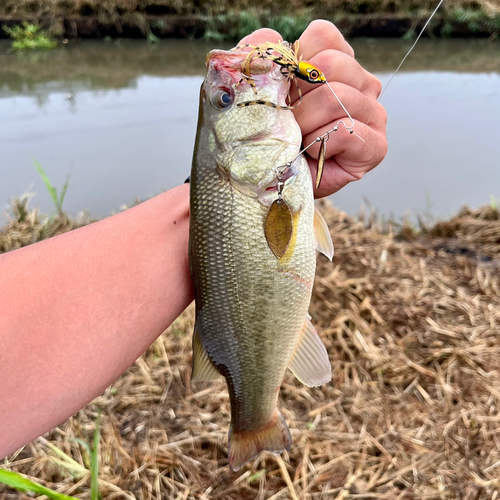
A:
(243, 446)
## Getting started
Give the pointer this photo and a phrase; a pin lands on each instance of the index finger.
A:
(322, 35)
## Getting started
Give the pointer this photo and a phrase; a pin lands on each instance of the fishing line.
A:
(404, 59)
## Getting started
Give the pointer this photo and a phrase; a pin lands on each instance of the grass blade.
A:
(52, 190)
(94, 472)
(63, 193)
(25, 485)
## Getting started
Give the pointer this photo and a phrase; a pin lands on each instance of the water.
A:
(120, 119)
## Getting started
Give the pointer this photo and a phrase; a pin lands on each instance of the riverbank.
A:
(219, 20)
(411, 322)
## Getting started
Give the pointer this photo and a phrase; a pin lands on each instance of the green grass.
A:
(290, 27)
(236, 25)
(29, 36)
(477, 20)
(57, 198)
(25, 485)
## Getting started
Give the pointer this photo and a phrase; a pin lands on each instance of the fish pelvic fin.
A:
(243, 446)
(322, 235)
(310, 362)
(203, 368)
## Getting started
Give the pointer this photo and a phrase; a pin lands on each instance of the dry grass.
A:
(412, 328)
(26, 225)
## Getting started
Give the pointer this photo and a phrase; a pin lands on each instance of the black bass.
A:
(252, 302)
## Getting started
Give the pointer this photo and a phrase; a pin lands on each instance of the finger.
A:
(339, 67)
(348, 158)
(261, 36)
(353, 151)
(333, 179)
(320, 108)
(322, 35)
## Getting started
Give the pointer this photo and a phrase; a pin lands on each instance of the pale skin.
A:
(78, 309)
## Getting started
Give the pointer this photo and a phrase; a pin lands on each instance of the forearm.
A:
(78, 309)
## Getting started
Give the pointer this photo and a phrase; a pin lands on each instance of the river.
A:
(120, 119)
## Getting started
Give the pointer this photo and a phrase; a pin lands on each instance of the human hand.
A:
(347, 157)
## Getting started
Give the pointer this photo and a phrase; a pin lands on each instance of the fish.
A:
(252, 301)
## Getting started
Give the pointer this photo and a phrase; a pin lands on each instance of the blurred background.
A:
(105, 93)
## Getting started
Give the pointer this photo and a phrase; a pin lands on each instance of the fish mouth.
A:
(230, 65)
(234, 59)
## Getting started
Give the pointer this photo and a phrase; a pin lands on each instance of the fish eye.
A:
(221, 99)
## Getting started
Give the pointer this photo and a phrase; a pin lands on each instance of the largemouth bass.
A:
(252, 305)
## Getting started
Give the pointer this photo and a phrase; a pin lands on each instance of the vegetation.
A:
(20, 483)
(57, 198)
(477, 20)
(410, 320)
(220, 20)
(236, 25)
(29, 36)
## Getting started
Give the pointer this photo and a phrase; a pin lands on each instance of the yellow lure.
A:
(310, 73)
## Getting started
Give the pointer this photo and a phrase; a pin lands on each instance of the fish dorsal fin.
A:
(310, 363)
(322, 235)
(203, 368)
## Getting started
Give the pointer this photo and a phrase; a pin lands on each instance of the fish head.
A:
(247, 142)
(227, 87)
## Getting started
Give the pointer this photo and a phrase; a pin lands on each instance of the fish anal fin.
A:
(243, 446)
(322, 235)
(310, 362)
(203, 368)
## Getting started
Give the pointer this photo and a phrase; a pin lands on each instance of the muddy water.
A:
(120, 119)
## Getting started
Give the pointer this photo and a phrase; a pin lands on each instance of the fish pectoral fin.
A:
(203, 368)
(322, 235)
(273, 436)
(310, 363)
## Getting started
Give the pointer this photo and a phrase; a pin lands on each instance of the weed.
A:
(152, 38)
(76, 469)
(25, 485)
(477, 20)
(231, 26)
(257, 476)
(409, 35)
(447, 29)
(236, 25)
(247, 22)
(58, 199)
(290, 27)
(29, 36)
